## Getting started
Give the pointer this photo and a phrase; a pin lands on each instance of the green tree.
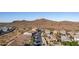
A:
(72, 43)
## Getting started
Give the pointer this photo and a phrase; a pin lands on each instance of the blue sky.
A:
(56, 16)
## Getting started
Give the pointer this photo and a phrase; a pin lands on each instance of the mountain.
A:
(44, 23)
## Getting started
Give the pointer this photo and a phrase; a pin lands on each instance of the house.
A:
(71, 33)
(53, 38)
(77, 33)
(62, 32)
(65, 38)
(44, 41)
(55, 32)
(47, 31)
(5, 29)
(76, 37)
(27, 33)
(34, 29)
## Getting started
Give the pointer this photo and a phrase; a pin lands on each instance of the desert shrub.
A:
(2, 42)
(32, 41)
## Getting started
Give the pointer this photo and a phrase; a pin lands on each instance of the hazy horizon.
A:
(30, 16)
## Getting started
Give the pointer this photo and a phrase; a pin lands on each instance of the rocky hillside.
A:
(45, 23)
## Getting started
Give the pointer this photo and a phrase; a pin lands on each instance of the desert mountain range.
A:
(44, 23)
